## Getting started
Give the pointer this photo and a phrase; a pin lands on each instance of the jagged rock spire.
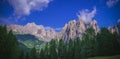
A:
(71, 30)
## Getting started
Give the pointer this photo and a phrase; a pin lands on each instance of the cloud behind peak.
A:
(87, 15)
(111, 3)
(24, 7)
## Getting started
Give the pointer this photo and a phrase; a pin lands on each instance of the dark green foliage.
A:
(42, 55)
(22, 55)
(33, 54)
(8, 44)
(71, 49)
(61, 49)
(53, 49)
(92, 44)
(77, 49)
(88, 42)
(105, 41)
(116, 43)
(27, 56)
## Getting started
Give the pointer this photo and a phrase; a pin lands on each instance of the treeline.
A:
(9, 48)
(92, 44)
(103, 43)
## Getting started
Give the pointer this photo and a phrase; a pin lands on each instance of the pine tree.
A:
(33, 54)
(53, 48)
(27, 56)
(88, 42)
(61, 49)
(42, 55)
(22, 55)
(71, 49)
(105, 41)
(8, 44)
(77, 47)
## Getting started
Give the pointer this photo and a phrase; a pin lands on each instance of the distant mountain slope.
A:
(28, 41)
(71, 30)
(37, 30)
(26, 37)
(23, 47)
(115, 28)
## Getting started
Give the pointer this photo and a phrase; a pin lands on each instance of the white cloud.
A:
(16, 17)
(56, 29)
(24, 7)
(118, 20)
(5, 21)
(111, 3)
(86, 15)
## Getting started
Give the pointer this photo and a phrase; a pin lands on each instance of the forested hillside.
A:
(92, 44)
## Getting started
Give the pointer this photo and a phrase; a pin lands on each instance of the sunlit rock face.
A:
(38, 30)
(15, 28)
(118, 26)
(71, 30)
(75, 29)
(115, 28)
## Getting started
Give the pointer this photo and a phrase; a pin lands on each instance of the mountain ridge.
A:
(115, 28)
(71, 30)
(75, 28)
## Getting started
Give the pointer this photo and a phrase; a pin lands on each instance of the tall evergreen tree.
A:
(53, 49)
(33, 53)
(8, 44)
(22, 55)
(27, 56)
(105, 41)
(61, 49)
(77, 48)
(42, 55)
(88, 42)
(71, 49)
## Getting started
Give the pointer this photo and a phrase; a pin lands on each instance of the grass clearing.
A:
(107, 57)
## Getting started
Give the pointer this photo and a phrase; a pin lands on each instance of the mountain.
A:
(72, 30)
(115, 28)
(75, 29)
(28, 41)
(37, 30)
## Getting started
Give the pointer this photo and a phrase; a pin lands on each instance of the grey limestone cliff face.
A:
(115, 28)
(71, 30)
(37, 30)
(75, 29)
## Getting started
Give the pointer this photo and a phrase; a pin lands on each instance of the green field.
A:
(107, 57)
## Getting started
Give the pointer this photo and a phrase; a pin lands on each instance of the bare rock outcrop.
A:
(72, 30)
(75, 29)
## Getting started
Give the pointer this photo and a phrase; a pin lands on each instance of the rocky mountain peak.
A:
(71, 30)
(93, 24)
(37, 30)
(115, 28)
(31, 24)
(75, 28)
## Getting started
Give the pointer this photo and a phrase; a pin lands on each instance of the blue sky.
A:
(56, 13)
